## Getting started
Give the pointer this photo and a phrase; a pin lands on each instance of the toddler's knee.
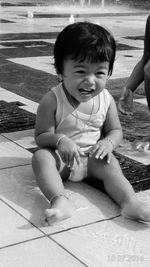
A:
(147, 70)
(42, 155)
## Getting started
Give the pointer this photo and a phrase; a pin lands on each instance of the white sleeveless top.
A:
(84, 129)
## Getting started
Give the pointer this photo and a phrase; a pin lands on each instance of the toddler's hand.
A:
(69, 151)
(102, 149)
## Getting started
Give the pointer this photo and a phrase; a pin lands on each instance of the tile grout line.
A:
(68, 251)
(16, 166)
(12, 141)
(21, 242)
(5, 202)
(49, 236)
(44, 235)
(41, 237)
(61, 231)
(84, 225)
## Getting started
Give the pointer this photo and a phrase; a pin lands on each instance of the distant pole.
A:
(103, 3)
(82, 2)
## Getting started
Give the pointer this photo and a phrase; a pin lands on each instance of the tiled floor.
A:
(96, 235)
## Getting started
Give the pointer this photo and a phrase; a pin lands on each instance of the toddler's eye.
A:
(80, 71)
(100, 74)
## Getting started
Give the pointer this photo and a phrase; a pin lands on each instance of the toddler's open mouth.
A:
(86, 91)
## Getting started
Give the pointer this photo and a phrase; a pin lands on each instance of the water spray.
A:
(71, 19)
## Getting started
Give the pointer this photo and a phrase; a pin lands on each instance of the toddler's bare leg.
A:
(119, 188)
(51, 185)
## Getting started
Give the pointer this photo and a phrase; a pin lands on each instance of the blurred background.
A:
(140, 4)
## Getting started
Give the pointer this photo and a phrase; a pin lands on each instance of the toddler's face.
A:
(84, 80)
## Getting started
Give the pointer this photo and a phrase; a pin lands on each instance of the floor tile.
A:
(18, 188)
(22, 138)
(44, 63)
(40, 252)
(12, 155)
(14, 228)
(119, 242)
(125, 62)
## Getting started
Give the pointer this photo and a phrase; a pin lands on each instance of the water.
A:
(77, 9)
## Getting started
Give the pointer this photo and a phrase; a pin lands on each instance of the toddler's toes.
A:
(51, 216)
(50, 212)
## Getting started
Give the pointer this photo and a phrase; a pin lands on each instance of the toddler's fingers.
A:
(101, 154)
(71, 161)
(108, 157)
(67, 159)
(92, 152)
(77, 157)
(81, 153)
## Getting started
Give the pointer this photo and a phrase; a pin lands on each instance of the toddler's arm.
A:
(112, 132)
(45, 135)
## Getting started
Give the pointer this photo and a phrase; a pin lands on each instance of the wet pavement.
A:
(97, 235)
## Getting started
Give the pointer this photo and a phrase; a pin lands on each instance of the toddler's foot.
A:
(62, 208)
(136, 210)
(125, 104)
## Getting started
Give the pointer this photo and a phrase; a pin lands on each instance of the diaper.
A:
(79, 172)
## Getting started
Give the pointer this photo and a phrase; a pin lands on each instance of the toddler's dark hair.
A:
(84, 41)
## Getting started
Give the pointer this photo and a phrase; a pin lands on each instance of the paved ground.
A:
(97, 235)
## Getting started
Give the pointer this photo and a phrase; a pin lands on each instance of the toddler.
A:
(77, 125)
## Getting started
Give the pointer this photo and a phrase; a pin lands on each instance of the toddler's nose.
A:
(89, 80)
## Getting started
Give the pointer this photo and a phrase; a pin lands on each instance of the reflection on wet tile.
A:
(119, 242)
(127, 149)
(12, 155)
(19, 189)
(14, 228)
(41, 252)
(141, 101)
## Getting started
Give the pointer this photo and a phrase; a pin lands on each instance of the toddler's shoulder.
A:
(48, 101)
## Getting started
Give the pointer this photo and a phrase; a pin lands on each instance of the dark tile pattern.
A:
(121, 47)
(13, 118)
(27, 36)
(5, 4)
(6, 21)
(25, 81)
(135, 37)
(25, 44)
